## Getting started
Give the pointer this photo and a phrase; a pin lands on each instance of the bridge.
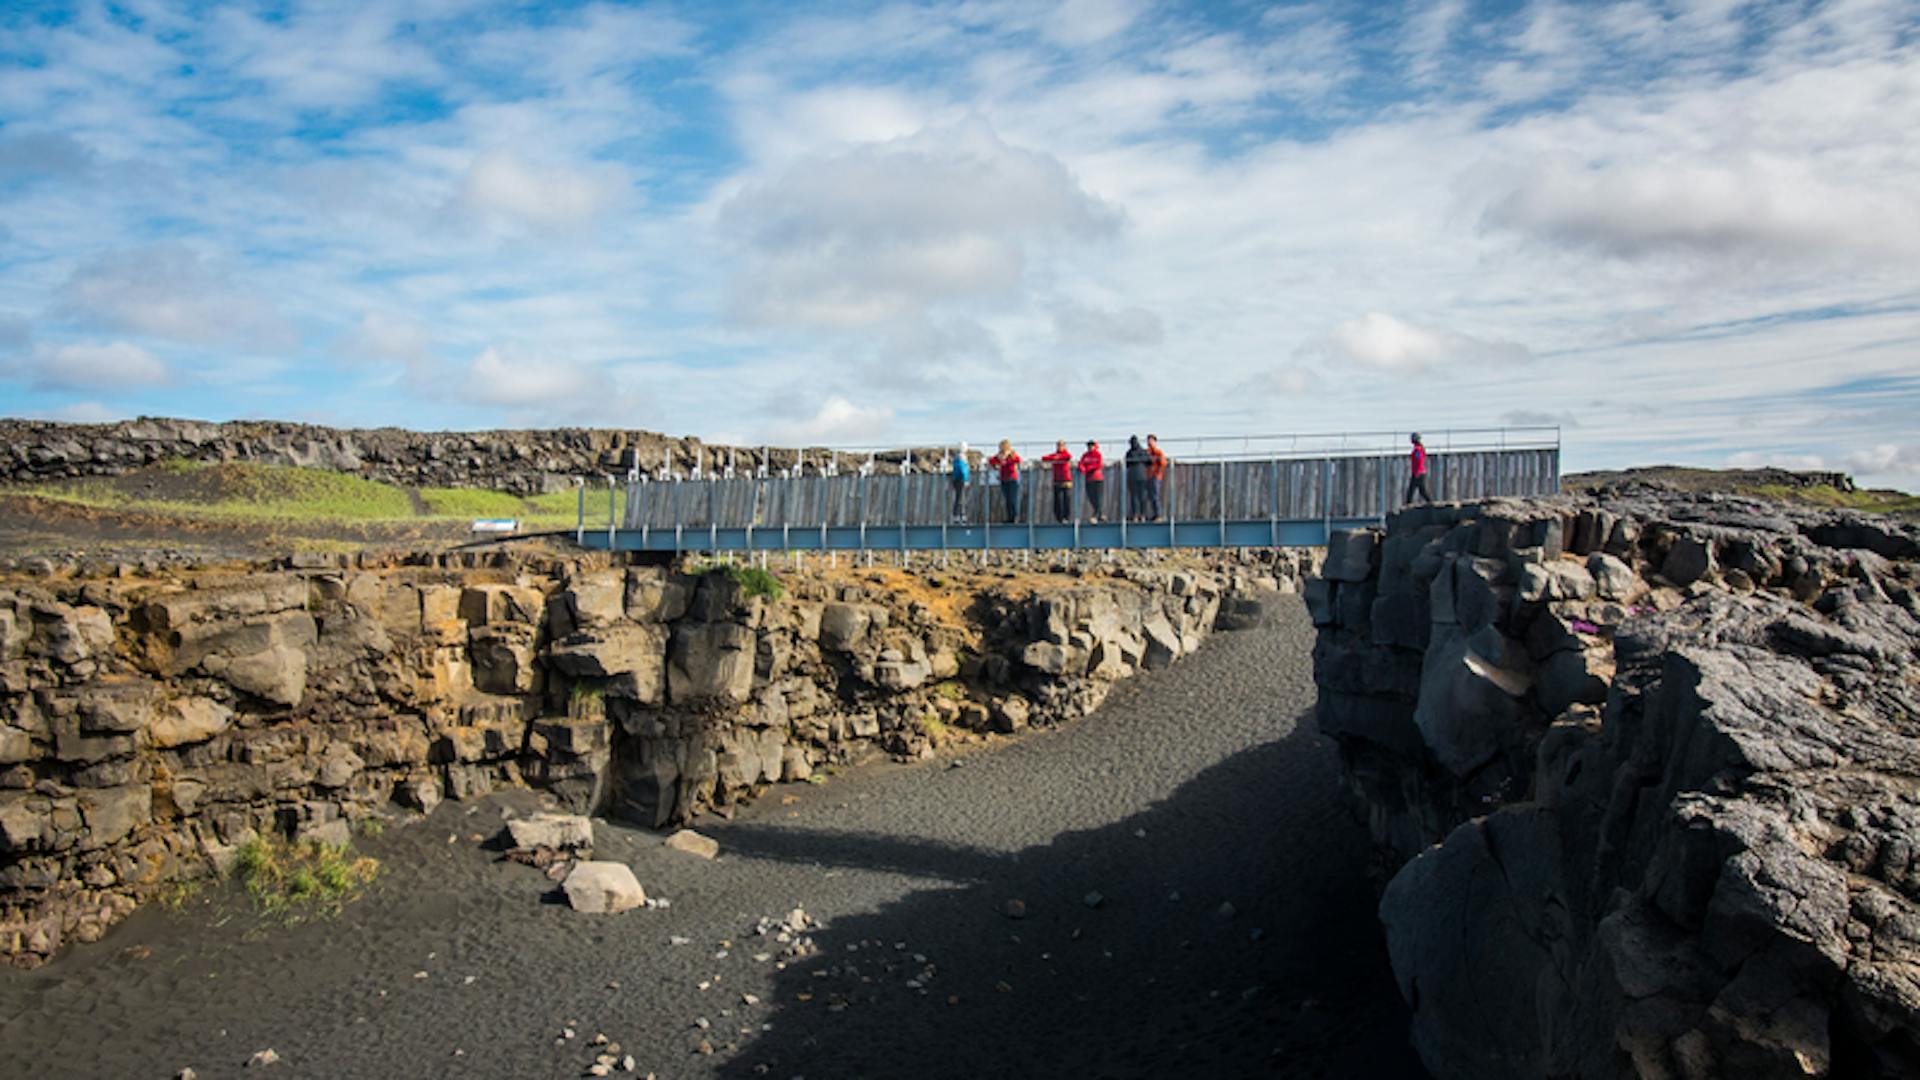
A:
(1251, 491)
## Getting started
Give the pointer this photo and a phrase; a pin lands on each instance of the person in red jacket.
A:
(1418, 481)
(1156, 473)
(1093, 466)
(1062, 461)
(1007, 464)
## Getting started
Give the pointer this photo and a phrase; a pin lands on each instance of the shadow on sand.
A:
(1233, 934)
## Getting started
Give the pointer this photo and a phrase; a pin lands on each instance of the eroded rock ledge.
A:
(151, 723)
(1648, 768)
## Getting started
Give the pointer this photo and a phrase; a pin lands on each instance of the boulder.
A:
(710, 662)
(1471, 691)
(844, 626)
(187, 721)
(560, 832)
(1612, 579)
(694, 844)
(503, 658)
(634, 655)
(1352, 555)
(1557, 579)
(657, 594)
(1688, 560)
(602, 888)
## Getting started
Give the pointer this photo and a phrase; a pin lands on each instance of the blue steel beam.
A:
(1186, 534)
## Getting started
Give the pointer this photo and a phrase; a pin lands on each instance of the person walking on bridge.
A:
(1418, 481)
(1093, 466)
(958, 473)
(1156, 472)
(1062, 461)
(1007, 464)
(1138, 486)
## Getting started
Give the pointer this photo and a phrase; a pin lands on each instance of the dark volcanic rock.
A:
(1712, 873)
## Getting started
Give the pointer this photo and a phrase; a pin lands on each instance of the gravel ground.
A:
(1232, 934)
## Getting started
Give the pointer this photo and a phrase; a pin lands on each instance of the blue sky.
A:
(1683, 231)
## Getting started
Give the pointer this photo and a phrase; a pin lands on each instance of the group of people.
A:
(1145, 467)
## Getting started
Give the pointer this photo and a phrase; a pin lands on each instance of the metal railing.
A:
(1339, 478)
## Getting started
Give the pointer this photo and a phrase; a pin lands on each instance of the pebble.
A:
(676, 939)
(597, 1069)
(705, 1047)
(749, 999)
(1093, 899)
(1015, 909)
(263, 1057)
(186, 1074)
(1227, 910)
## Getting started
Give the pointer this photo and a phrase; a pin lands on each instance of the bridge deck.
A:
(1240, 502)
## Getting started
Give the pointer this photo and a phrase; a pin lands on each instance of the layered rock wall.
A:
(150, 725)
(520, 462)
(1646, 770)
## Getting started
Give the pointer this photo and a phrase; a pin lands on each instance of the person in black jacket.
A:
(1139, 487)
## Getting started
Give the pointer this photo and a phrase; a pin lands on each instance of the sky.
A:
(1682, 232)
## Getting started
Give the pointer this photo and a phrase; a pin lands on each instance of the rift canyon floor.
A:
(1232, 934)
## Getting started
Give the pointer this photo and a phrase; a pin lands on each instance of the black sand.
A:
(1191, 789)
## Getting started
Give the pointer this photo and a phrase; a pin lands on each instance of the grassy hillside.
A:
(289, 496)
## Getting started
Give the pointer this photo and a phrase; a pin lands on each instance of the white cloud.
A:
(1077, 23)
(885, 231)
(171, 292)
(1887, 459)
(44, 154)
(1082, 326)
(87, 412)
(383, 335)
(837, 421)
(1756, 207)
(114, 365)
(1385, 343)
(513, 377)
(512, 194)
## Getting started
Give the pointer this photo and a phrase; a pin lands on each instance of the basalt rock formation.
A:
(1647, 769)
(519, 462)
(150, 723)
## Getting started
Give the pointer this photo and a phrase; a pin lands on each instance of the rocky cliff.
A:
(152, 722)
(1647, 768)
(520, 462)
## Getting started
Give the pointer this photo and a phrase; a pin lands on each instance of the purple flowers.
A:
(1582, 626)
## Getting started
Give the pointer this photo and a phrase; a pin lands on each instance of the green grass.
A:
(752, 580)
(1879, 502)
(472, 503)
(285, 493)
(293, 881)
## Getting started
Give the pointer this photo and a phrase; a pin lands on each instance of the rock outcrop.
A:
(520, 462)
(152, 723)
(1646, 769)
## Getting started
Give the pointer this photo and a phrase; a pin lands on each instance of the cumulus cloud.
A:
(116, 365)
(1384, 342)
(837, 422)
(171, 292)
(383, 335)
(1751, 208)
(1887, 459)
(513, 376)
(511, 194)
(1077, 325)
(889, 230)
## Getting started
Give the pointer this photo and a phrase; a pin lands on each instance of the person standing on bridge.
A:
(1093, 466)
(1007, 463)
(1062, 461)
(958, 473)
(1156, 472)
(1138, 487)
(1418, 481)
